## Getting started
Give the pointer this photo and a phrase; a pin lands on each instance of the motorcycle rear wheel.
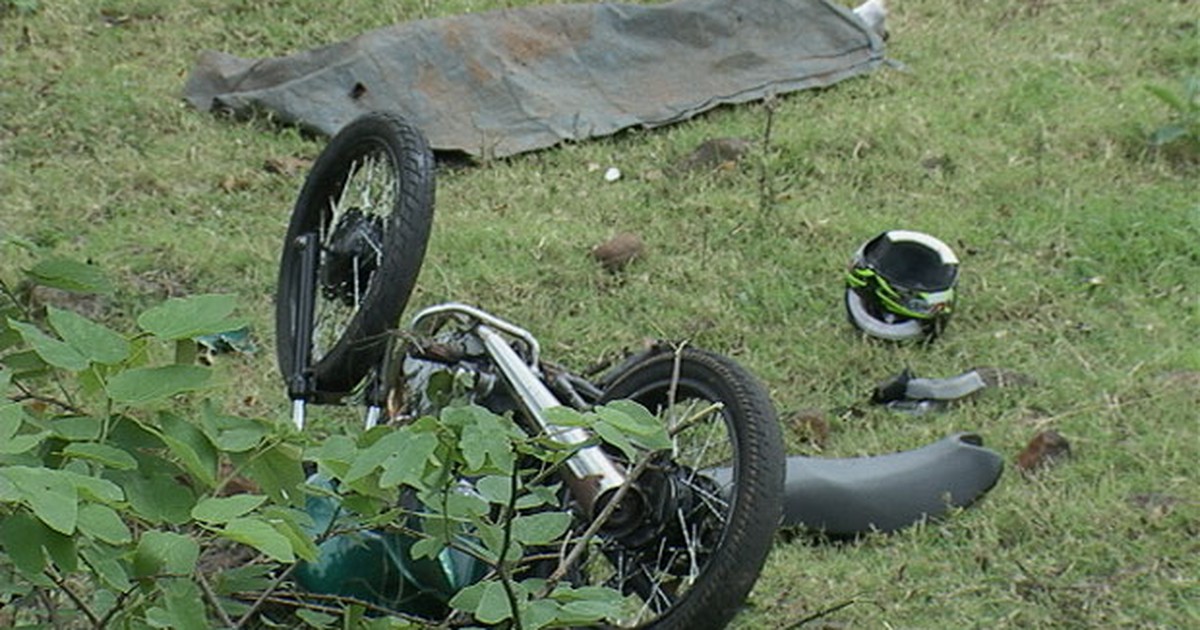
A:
(727, 472)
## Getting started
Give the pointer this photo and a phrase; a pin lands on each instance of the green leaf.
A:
(76, 428)
(157, 617)
(248, 577)
(225, 509)
(538, 613)
(103, 454)
(190, 445)
(587, 604)
(493, 604)
(302, 544)
(168, 553)
(143, 385)
(541, 528)
(62, 551)
(487, 440)
(616, 437)
(157, 497)
(467, 506)
(335, 455)
(566, 417)
(185, 606)
(51, 350)
(185, 318)
(12, 416)
(103, 523)
(427, 548)
(95, 488)
(49, 493)
(495, 489)
(261, 536)
(407, 464)
(315, 619)
(106, 564)
(232, 434)
(21, 536)
(8, 491)
(25, 363)
(586, 610)
(22, 443)
(69, 275)
(374, 455)
(538, 496)
(92, 340)
(239, 440)
(467, 599)
(630, 417)
(277, 471)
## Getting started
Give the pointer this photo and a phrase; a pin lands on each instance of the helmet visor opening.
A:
(910, 265)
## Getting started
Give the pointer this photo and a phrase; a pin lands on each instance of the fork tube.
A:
(300, 381)
(592, 473)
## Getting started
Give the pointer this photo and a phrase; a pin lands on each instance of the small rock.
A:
(653, 175)
(811, 426)
(939, 164)
(233, 183)
(618, 251)
(612, 174)
(1156, 504)
(286, 165)
(714, 154)
(1044, 450)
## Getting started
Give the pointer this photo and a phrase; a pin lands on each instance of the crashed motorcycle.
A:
(684, 538)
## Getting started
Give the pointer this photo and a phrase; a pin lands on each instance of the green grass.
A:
(1016, 131)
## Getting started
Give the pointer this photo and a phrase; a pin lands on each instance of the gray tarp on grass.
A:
(504, 82)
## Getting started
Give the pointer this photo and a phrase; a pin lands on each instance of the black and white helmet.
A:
(900, 286)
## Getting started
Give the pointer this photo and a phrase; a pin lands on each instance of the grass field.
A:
(1015, 130)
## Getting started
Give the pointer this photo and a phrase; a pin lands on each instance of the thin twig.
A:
(1044, 422)
(79, 603)
(765, 194)
(823, 613)
(118, 604)
(502, 566)
(339, 599)
(28, 394)
(601, 518)
(283, 575)
(643, 462)
(211, 596)
(672, 389)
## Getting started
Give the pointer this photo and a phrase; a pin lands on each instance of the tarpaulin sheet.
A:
(503, 82)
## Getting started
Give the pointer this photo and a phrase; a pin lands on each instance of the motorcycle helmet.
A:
(900, 286)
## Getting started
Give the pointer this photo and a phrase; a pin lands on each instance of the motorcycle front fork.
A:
(590, 473)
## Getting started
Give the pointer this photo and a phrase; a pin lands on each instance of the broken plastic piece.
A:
(238, 341)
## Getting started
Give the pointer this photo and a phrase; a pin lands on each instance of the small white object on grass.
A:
(873, 13)
(612, 174)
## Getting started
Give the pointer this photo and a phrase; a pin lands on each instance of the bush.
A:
(128, 499)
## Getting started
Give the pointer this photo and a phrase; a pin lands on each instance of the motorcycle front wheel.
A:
(368, 205)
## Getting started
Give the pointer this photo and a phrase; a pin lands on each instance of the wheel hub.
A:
(351, 254)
